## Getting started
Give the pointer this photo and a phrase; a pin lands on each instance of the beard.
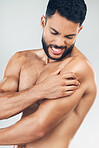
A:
(65, 53)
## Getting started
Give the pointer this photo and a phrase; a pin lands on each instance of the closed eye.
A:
(69, 37)
(54, 33)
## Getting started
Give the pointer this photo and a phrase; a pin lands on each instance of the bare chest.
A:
(47, 70)
(33, 75)
(52, 68)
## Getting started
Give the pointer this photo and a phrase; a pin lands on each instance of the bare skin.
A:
(62, 134)
(49, 122)
(25, 81)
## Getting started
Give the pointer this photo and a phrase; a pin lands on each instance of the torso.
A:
(61, 135)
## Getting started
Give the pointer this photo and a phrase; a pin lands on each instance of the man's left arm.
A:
(49, 114)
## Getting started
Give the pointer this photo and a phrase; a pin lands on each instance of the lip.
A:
(57, 52)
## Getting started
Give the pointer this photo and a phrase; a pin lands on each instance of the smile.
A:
(56, 51)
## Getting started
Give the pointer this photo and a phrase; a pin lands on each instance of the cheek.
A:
(48, 38)
(70, 42)
(47, 35)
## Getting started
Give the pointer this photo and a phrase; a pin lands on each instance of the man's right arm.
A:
(12, 103)
(8, 84)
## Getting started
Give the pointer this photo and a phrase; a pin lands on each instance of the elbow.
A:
(38, 133)
(4, 116)
(41, 131)
(4, 112)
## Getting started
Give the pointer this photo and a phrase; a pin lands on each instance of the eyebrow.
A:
(54, 30)
(59, 33)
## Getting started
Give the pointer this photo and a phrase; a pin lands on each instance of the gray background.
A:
(20, 30)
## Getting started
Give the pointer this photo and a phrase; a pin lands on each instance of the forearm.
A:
(14, 102)
(37, 125)
(57, 110)
(24, 131)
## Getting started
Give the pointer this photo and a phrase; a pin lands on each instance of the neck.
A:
(48, 60)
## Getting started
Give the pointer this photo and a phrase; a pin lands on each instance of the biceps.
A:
(9, 84)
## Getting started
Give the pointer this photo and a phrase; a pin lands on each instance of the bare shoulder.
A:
(83, 69)
(80, 66)
(14, 65)
(17, 61)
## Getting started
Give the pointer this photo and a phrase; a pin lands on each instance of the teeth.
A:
(56, 49)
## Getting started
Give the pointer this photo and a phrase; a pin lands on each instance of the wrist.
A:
(39, 92)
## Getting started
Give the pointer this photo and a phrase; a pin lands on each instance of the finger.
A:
(68, 93)
(72, 82)
(58, 71)
(70, 76)
(70, 88)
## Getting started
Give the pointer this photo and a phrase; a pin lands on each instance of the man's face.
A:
(59, 35)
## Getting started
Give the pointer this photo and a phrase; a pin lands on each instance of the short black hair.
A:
(73, 10)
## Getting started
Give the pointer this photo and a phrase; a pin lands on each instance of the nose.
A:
(60, 41)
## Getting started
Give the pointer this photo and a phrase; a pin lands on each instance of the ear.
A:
(43, 19)
(81, 27)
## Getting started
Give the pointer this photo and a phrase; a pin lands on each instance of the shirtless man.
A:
(54, 86)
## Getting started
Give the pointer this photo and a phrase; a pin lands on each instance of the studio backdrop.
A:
(20, 30)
